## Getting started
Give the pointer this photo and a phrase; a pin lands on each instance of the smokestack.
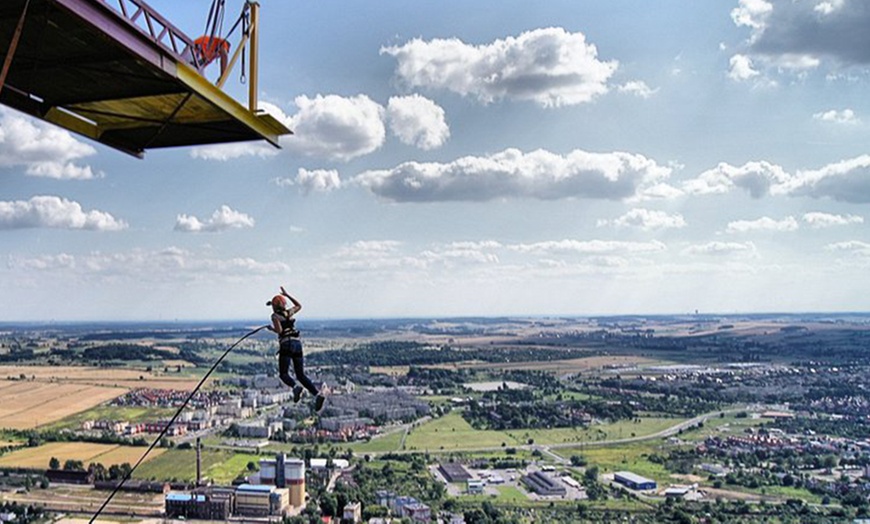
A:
(198, 462)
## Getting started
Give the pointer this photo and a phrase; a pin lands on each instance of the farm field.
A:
(574, 365)
(108, 377)
(29, 404)
(87, 452)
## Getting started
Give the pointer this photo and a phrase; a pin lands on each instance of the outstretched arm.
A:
(296, 305)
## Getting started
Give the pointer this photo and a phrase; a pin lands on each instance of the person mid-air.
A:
(290, 349)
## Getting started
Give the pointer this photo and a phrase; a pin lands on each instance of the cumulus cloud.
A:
(741, 68)
(417, 121)
(762, 224)
(223, 219)
(800, 35)
(336, 127)
(846, 116)
(818, 220)
(646, 219)
(514, 174)
(550, 67)
(720, 248)
(318, 180)
(47, 211)
(637, 88)
(846, 181)
(755, 177)
(42, 150)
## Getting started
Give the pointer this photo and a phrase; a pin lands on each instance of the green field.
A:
(625, 457)
(220, 466)
(617, 430)
(380, 444)
(452, 432)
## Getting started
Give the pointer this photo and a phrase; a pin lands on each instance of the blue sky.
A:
(477, 158)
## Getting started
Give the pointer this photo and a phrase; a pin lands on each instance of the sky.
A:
(487, 158)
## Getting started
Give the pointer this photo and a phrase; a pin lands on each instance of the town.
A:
(478, 420)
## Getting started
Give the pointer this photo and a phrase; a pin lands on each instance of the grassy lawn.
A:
(117, 413)
(380, 444)
(452, 432)
(725, 426)
(617, 430)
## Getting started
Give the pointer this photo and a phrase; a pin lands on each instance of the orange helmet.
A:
(278, 302)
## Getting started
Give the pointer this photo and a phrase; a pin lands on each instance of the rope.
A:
(171, 421)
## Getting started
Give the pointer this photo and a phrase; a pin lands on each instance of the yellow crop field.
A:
(28, 404)
(106, 454)
(110, 377)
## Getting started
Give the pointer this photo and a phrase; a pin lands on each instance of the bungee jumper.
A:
(290, 349)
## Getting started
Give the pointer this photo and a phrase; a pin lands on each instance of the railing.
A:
(160, 30)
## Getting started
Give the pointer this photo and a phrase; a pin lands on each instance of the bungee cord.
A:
(171, 421)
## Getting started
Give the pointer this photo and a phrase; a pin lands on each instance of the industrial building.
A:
(285, 472)
(454, 472)
(197, 506)
(634, 481)
(254, 500)
(474, 487)
(542, 484)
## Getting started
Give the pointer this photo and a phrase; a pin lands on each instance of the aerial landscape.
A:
(545, 419)
(490, 262)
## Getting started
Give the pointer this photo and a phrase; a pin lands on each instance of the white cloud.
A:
(846, 116)
(741, 68)
(720, 248)
(762, 224)
(829, 6)
(647, 219)
(855, 247)
(417, 121)
(336, 127)
(224, 152)
(514, 174)
(752, 13)
(592, 247)
(223, 219)
(847, 181)
(818, 220)
(318, 180)
(758, 178)
(47, 211)
(637, 88)
(169, 264)
(43, 150)
(550, 66)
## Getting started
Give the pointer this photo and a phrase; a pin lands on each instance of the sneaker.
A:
(320, 399)
(297, 394)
